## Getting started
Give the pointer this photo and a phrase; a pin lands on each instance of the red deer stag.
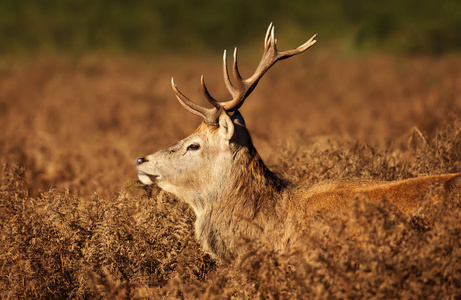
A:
(219, 173)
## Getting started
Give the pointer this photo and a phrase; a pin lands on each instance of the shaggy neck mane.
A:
(253, 187)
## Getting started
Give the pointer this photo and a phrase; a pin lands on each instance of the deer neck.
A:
(251, 182)
(248, 201)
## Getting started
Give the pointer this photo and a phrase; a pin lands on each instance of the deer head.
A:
(197, 169)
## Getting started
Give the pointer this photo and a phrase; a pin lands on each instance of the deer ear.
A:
(226, 126)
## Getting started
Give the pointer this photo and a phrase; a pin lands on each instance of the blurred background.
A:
(85, 85)
(166, 26)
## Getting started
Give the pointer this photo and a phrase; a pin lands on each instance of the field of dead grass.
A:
(74, 225)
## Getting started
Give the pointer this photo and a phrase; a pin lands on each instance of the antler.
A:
(242, 87)
(210, 115)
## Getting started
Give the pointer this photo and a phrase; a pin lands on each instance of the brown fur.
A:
(249, 201)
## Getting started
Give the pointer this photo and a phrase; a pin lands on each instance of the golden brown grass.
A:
(73, 226)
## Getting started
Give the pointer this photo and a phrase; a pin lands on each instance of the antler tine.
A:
(286, 54)
(270, 56)
(273, 40)
(207, 94)
(230, 87)
(210, 115)
(266, 39)
(238, 78)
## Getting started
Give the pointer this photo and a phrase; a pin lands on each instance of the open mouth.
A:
(146, 178)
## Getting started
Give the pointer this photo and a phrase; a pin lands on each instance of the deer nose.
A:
(140, 161)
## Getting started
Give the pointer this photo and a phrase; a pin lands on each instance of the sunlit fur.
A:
(234, 195)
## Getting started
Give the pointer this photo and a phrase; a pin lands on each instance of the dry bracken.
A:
(71, 229)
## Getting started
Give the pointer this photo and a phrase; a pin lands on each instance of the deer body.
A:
(219, 173)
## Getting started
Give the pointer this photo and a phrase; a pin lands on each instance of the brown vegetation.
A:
(73, 226)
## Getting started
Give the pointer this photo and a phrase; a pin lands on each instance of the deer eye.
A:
(193, 147)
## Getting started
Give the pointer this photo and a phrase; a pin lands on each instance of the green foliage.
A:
(163, 26)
